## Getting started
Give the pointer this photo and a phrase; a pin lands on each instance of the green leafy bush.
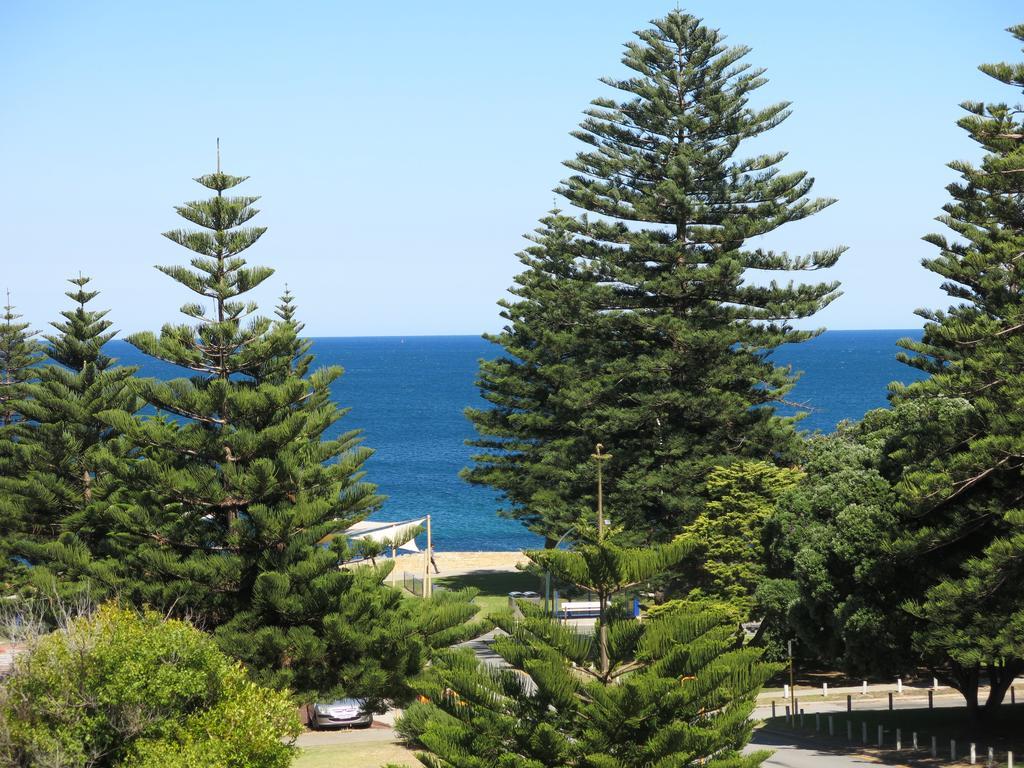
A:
(123, 689)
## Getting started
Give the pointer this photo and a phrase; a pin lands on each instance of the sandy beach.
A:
(456, 563)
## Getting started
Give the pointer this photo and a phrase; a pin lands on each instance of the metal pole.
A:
(602, 636)
(792, 687)
(600, 458)
(427, 586)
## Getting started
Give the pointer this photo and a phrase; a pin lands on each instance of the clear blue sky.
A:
(402, 149)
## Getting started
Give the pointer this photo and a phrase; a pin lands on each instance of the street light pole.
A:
(792, 687)
(602, 636)
(600, 458)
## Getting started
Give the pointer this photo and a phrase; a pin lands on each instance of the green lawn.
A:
(494, 587)
(1005, 732)
(358, 755)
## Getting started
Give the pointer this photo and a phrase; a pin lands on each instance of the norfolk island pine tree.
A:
(535, 445)
(670, 369)
(673, 689)
(234, 484)
(19, 354)
(68, 448)
(961, 468)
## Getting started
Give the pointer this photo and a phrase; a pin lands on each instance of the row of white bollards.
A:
(972, 752)
(863, 687)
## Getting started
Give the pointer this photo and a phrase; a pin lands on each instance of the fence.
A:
(412, 583)
(888, 736)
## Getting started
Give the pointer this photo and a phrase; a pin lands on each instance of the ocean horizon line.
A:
(121, 336)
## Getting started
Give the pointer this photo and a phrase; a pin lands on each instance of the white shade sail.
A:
(400, 535)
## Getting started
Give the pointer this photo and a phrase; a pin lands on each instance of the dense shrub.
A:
(120, 688)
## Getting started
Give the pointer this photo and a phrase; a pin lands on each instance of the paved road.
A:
(379, 733)
(788, 753)
(792, 754)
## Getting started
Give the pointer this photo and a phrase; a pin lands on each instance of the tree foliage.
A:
(666, 360)
(123, 689)
(962, 477)
(19, 354)
(830, 582)
(675, 688)
(68, 447)
(236, 476)
(729, 561)
(536, 436)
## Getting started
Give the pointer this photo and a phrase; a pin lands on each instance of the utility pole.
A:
(600, 458)
(602, 635)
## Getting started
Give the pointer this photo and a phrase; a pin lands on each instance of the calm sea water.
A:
(408, 395)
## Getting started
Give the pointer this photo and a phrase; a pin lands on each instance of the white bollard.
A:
(824, 689)
(991, 757)
(974, 756)
(881, 733)
(1009, 760)
(864, 688)
(899, 685)
(935, 683)
(915, 740)
(899, 740)
(785, 690)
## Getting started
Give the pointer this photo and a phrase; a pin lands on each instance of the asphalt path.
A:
(795, 753)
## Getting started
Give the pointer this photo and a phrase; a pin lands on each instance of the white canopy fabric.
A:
(400, 535)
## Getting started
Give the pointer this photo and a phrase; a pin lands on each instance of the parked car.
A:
(341, 713)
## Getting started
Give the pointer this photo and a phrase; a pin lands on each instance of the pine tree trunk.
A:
(1000, 679)
(966, 681)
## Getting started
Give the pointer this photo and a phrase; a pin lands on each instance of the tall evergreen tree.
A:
(535, 436)
(19, 354)
(674, 689)
(963, 475)
(68, 445)
(239, 481)
(681, 378)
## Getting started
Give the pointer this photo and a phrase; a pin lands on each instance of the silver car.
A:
(341, 713)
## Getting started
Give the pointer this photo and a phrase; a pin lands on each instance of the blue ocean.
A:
(408, 396)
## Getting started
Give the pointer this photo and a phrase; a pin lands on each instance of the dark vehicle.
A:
(340, 713)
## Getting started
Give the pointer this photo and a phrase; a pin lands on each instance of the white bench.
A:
(579, 609)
